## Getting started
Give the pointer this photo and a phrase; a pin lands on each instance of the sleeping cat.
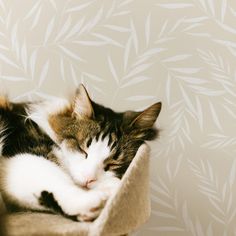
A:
(68, 156)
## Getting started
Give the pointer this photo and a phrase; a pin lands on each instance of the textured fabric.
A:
(124, 212)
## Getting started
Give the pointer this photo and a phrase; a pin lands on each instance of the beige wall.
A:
(131, 54)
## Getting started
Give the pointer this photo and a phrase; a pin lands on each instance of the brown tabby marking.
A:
(4, 103)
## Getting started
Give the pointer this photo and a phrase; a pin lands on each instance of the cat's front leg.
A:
(48, 200)
(80, 204)
(25, 178)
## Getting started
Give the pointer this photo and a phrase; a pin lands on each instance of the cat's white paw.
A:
(94, 204)
(85, 205)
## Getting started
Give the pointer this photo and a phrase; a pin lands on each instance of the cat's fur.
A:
(66, 156)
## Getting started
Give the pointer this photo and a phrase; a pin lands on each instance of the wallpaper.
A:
(130, 54)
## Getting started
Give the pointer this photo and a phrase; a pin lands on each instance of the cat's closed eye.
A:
(74, 145)
(107, 167)
(83, 152)
(111, 166)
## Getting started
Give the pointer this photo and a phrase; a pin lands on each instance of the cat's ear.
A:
(82, 106)
(146, 119)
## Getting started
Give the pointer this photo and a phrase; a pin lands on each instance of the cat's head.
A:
(95, 141)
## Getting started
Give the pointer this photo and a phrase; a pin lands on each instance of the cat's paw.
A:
(94, 204)
(84, 205)
(80, 204)
(91, 214)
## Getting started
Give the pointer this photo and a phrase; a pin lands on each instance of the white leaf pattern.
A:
(131, 54)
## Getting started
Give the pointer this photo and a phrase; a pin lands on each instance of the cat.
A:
(66, 156)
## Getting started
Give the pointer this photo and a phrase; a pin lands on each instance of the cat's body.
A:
(66, 156)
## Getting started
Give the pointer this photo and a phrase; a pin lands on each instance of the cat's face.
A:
(96, 142)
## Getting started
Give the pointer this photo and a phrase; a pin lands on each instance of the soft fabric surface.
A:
(124, 212)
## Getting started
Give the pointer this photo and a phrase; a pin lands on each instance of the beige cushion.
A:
(126, 210)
